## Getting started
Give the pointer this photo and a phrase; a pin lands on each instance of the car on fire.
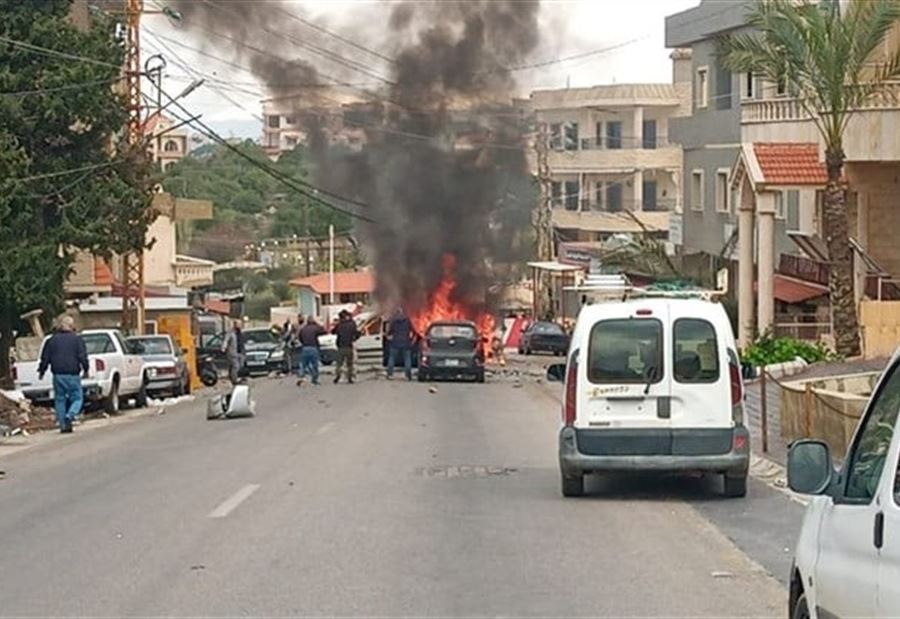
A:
(451, 349)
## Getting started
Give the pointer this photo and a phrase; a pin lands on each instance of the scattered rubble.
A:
(432, 389)
(19, 416)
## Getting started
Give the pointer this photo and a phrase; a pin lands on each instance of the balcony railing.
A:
(790, 109)
(586, 205)
(617, 143)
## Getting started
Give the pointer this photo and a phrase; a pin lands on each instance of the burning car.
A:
(452, 349)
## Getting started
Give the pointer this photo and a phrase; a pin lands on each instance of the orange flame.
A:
(442, 306)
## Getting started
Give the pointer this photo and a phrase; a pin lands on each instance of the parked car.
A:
(115, 373)
(164, 364)
(652, 385)
(847, 559)
(544, 337)
(263, 351)
(451, 349)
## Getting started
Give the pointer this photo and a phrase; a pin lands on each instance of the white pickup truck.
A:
(115, 373)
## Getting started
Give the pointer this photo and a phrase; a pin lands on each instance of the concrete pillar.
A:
(637, 130)
(638, 182)
(745, 272)
(765, 210)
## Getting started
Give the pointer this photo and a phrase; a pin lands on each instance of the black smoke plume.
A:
(443, 165)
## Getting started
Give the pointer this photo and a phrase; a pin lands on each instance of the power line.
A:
(95, 166)
(37, 49)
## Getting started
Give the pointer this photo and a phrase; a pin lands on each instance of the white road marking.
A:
(325, 428)
(232, 502)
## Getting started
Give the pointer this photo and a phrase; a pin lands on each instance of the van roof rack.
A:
(600, 288)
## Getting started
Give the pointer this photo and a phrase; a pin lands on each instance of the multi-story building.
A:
(340, 117)
(168, 143)
(613, 166)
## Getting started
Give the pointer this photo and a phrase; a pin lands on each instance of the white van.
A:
(652, 384)
(847, 561)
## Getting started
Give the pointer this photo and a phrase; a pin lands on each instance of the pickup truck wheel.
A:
(572, 486)
(140, 399)
(111, 403)
(735, 487)
(186, 390)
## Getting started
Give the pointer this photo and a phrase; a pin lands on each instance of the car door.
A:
(132, 366)
(847, 566)
(628, 381)
(888, 593)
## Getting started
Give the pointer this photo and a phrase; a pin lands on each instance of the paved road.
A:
(373, 499)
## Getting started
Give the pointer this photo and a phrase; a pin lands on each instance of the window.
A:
(122, 345)
(626, 351)
(98, 343)
(614, 197)
(448, 331)
(723, 87)
(781, 87)
(722, 196)
(649, 134)
(556, 136)
(748, 85)
(556, 193)
(274, 121)
(290, 120)
(571, 136)
(697, 201)
(290, 141)
(696, 351)
(702, 98)
(152, 345)
(873, 441)
(779, 205)
(598, 196)
(649, 196)
(599, 136)
(571, 195)
(547, 328)
(171, 146)
(260, 336)
(614, 134)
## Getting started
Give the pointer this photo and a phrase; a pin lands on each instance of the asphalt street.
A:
(375, 499)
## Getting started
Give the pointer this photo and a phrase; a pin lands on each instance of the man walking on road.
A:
(347, 333)
(400, 335)
(233, 347)
(66, 356)
(309, 350)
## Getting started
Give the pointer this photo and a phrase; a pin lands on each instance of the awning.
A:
(790, 290)
(813, 246)
(555, 267)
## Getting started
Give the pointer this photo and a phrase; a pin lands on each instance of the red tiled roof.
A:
(786, 163)
(345, 282)
(790, 290)
(102, 273)
(218, 306)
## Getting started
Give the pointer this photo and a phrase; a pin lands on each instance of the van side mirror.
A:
(556, 373)
(809, 467)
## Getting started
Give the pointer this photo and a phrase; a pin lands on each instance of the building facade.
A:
(168, 143)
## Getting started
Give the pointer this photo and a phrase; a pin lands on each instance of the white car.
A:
(847, 560)
(114, 373)
(652, 385)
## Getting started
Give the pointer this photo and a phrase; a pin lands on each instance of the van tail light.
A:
(100, 365)
(737, 389)
(570, 405)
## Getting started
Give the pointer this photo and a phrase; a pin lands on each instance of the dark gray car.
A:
(452, 349)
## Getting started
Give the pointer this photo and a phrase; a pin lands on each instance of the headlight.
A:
(277, 355)
(151, 372)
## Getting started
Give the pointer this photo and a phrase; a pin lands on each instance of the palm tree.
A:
(831, 58)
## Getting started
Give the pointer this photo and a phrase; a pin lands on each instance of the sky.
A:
(635, 28)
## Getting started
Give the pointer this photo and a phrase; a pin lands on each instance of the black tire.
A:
(736, 487)
(479, 378)
(801, 608)
(140, 398)
(572, 485)
(422, 376)
(111, 403)
(186, 389)
(209, 378)
(528, 351)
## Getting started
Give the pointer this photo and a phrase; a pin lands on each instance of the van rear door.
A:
(701, 389)
(627, 383)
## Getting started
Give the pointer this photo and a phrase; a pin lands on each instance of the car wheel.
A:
(736, 487)
(140, 398)
(801, 608)
(422, 376)
(528, 350)
(572, 485)
(186, 390)
(479, 378)
(111, 403)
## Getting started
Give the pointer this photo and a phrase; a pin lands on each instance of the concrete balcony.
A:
(604, 222)
(592, 160)
(193, 272)
(871, 134)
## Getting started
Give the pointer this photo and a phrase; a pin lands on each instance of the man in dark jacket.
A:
(309, 350)
(400, 336)
(347, 333)
(66, 356)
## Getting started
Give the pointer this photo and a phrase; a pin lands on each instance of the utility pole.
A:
(306, 234)
(543, 219)
(133, 262)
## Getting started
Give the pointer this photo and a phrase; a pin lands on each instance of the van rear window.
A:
(626, 351)
(696, 351)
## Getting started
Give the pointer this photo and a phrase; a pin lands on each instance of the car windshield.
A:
(260, 336)
(448, 331)
(153, 345)
(548, 328)
(98, 343)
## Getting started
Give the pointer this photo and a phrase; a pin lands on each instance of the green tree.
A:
(832, 60)
(65, 181)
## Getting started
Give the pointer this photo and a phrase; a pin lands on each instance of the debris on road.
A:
(2, 474)
(198, 567)
(19, 415)
(722, 575)
(231, 405)
(432, 389)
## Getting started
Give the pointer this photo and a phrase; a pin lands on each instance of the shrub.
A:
(768, 349)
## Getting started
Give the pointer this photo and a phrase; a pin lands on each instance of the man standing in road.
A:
(400, 336)
(233, 347)
(66, 356)
(347, 333)
(309, 350)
